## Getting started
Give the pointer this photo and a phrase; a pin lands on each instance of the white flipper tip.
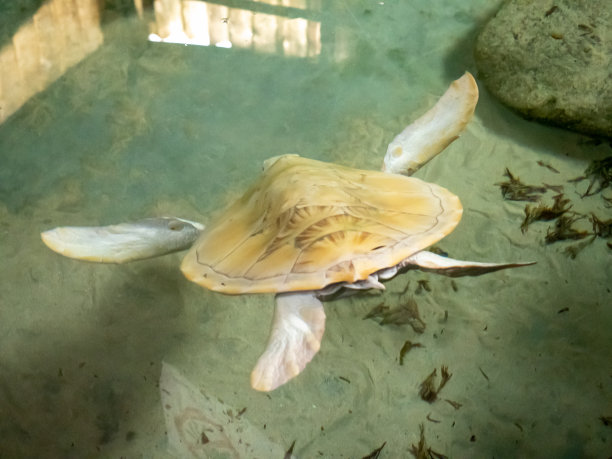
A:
(297, 330)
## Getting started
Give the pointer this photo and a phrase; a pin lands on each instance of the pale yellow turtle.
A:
(306, 229)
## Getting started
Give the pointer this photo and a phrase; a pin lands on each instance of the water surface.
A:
(111, 126)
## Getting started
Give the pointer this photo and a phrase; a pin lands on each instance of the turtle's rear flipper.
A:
(428, 261)
(297, 330)
(124, 242)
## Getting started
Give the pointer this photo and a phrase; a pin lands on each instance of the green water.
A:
(138, 128)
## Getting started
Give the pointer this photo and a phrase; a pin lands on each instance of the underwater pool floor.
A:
(135, 361)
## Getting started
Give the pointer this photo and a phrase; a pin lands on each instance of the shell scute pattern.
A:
(306, 224)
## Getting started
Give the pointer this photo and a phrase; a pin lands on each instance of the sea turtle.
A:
(307, 229)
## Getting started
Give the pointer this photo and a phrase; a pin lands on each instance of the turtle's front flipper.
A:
(435, 130)
(125, 242)
(428, 261)
(297, 330)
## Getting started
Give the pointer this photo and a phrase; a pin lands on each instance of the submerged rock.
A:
(551, 60)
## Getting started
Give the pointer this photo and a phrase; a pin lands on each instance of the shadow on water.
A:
(74, 389)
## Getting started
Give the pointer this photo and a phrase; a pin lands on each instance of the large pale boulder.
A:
(551, 60)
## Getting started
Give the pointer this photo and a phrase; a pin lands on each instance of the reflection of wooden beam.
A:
(211, 23)
(60, 34)
(274, 10)
(169, 17)
(139, 8)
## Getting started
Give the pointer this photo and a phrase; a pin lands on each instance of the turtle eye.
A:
(175, 225)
